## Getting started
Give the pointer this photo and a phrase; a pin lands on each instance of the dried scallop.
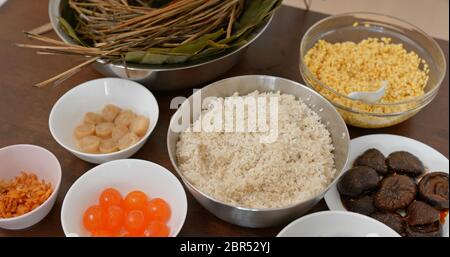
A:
(110, 112)
(111, 131)
(125, 118)
(84, 130)
(118, 132)
(104, 129)
(89, 144)
(93, 118)
(108, 146)
(128, 140)
(140, 125)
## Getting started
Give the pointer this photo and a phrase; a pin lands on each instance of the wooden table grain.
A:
(24, 110)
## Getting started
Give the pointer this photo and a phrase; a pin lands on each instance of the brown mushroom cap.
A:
(362, 205)
(433, 188)
(405, 163)
(392, 220)
(420, 213)
(396, 192)
(430, 230)
(374, 159)
(358, 181)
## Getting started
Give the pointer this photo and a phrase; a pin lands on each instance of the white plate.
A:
(387, 144)
(337, 224)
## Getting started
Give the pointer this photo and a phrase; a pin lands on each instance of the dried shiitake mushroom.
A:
(405, 163)
(358, 181)
(420, 213)
(374, 159)
(392, 220)
(362, 205)
(396, 192)
(433, 188)
(431, 230)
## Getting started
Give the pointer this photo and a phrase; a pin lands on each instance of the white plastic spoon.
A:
(370, 97)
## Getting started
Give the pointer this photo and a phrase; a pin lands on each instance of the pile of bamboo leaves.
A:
(153, 31)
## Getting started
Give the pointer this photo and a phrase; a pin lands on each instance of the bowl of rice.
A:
(359, 52)
(257, 151)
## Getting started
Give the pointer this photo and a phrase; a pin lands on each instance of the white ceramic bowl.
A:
(29, 158)
(337, 224)
(92, 96)
(126, 176)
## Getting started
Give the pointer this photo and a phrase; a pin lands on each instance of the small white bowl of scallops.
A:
(104, 119)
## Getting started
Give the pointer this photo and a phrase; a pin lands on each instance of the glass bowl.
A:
(345, 27)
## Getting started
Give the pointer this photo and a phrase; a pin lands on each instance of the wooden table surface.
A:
(24, 110)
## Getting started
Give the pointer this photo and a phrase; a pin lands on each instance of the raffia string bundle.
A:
(142, 31)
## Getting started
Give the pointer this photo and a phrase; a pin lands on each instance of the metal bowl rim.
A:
(292, 206)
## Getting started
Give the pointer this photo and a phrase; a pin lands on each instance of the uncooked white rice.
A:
(236, 168)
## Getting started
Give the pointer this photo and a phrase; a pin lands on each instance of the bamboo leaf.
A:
(135, 57)
(155, 56)
(151, 58)
(69, 30)
(255, 13)
(199, 44)
(213, 51)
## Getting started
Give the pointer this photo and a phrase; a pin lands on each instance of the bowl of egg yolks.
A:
(126, 177)
(104, 119)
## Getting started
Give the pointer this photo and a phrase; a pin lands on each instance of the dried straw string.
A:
(137, 28)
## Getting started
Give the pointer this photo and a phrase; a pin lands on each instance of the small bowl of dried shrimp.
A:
(30, 177)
